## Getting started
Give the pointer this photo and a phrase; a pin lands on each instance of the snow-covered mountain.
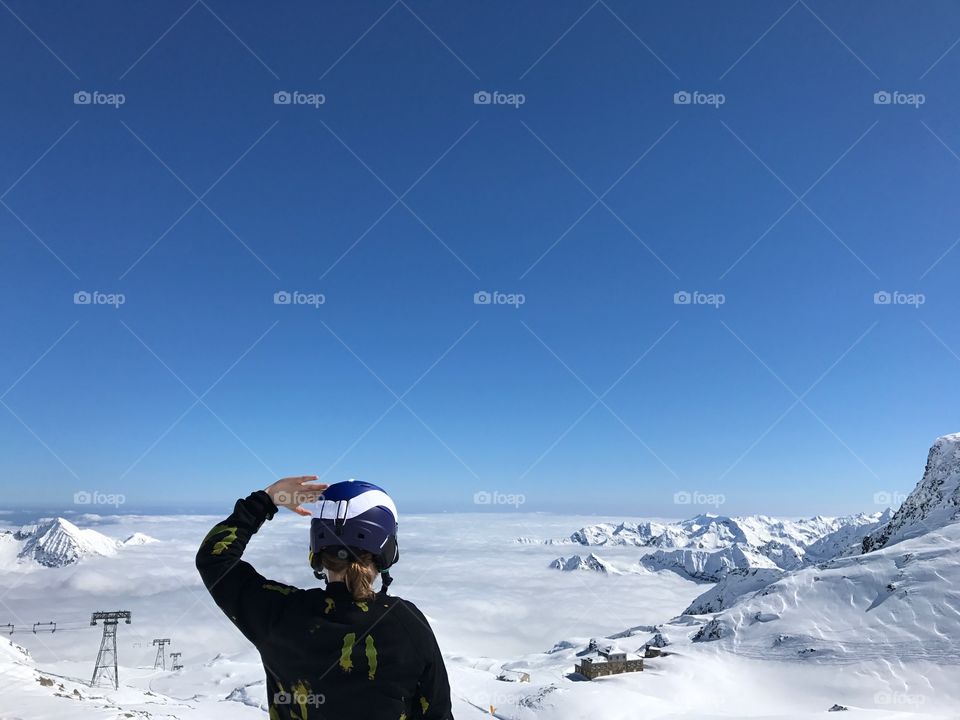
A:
(902, 598)
(639, 534)
(139, 538)
(576, 562)
(900, 601)
(848, 538)
(527, 540)
(706, 565)
(710, 532)
(934, 503)
(707, 546)
(57, 542)
(734, 585)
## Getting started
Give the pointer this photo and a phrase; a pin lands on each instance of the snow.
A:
(732, 587)
(504, 609)
(591, 562)
(784, 543)
(848, 538)
(59, 542)
(139, 538)
(901, 602)
(935, 501)
(704, 565)
(876, 632)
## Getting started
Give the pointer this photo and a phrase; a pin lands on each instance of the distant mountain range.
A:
(897, 594)
(833, 589)
(869, 587)
(878, 594)
(707, 547)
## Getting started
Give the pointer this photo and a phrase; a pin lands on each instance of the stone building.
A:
(605, 658)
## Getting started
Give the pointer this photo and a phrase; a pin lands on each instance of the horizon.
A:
(37, 513)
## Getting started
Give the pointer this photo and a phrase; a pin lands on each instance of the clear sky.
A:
(782, 197)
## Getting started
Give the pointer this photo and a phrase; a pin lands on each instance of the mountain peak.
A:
(576, 562)
(139, 538)
(934, 502)
(55, 542)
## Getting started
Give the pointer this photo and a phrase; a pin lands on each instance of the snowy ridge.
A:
(705, 565)
(733, 586)
(901, 599)
(58, 542)
(253, 694)
(706, 547)
(591, 562)
(847, 539)
(785, 543)
(138, 538)
(934, 503)
(527, 540)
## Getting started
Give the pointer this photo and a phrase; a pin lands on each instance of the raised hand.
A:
(292, 492)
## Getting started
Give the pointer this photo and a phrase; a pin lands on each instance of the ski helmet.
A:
(354, 516)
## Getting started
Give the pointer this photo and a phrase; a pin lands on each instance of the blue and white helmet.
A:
(354, 515)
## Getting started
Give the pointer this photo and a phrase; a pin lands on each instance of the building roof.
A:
(597, 657)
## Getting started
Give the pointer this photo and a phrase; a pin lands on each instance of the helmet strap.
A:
(386, 579)
(320, 575)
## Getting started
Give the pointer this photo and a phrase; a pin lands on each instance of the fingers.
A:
(310, 492)
(292, 492)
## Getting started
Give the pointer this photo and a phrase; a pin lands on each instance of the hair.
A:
(359, 572)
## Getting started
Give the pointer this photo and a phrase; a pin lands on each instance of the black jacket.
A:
(326, 657)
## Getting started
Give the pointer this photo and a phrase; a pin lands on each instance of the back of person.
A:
(336, 653)
(356, 659)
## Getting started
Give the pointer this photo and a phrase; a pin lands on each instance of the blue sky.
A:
(783, 189)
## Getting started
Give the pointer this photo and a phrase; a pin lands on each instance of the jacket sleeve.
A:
(433, 688)
(250, 600)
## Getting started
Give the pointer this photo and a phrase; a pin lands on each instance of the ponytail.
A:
(358, 571)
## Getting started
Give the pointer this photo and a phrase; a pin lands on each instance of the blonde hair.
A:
(358, 570)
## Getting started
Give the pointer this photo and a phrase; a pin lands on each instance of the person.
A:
(340, 652)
